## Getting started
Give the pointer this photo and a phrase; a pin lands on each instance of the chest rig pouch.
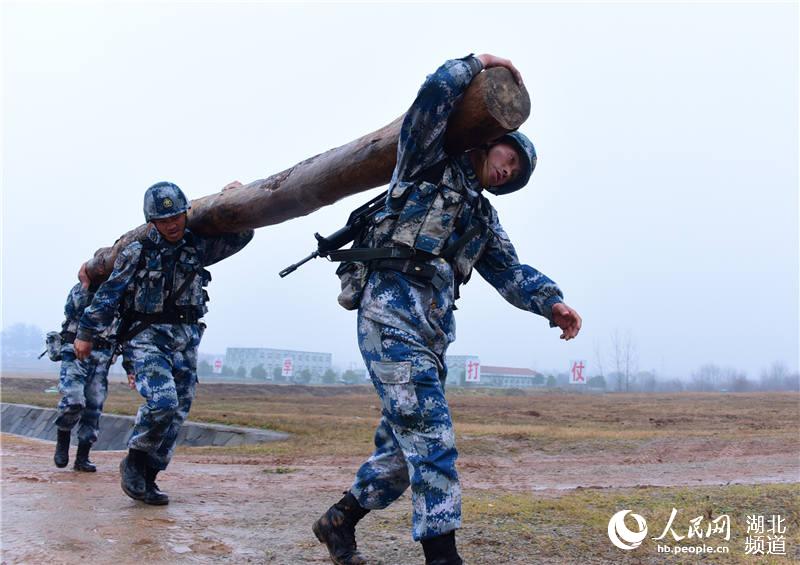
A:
(430, 207)
(418, 221)
(159, 274)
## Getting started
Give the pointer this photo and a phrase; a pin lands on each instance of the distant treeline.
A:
(708, 378)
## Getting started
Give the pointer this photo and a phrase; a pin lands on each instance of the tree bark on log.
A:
(492, 105)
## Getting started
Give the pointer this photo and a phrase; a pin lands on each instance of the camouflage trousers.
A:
(403, 332)
(164, 358)
(84, 387)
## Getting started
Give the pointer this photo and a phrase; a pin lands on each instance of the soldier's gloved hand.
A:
(131, 381)
(490, 61)
(82, 349)
(567, 319)
(232, 184)
(83, 276)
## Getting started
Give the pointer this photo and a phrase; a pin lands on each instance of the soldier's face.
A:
(171, 228)
(501, 165)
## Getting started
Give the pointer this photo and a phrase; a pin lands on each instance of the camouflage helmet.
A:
(163, 200)
(527, 158)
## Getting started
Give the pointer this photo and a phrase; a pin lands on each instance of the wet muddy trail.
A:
(259, 509)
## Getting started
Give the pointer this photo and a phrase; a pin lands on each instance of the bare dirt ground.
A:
(541, 475)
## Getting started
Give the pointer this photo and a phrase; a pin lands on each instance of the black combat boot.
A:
(337, 530)
(82, 462)
(152, 495)
(61, 457)
(441, 550)
(131, 470)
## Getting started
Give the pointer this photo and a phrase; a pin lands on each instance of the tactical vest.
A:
(69, 327)
(434, 215)
(422, 213)
(77, 303)
(161, 271)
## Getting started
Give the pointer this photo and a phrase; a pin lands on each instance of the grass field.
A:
(340, 419)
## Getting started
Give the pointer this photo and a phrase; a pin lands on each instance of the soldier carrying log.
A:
(403, 277)
(158, 285)
(437, 225)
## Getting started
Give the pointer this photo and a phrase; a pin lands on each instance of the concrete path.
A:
(36, 422)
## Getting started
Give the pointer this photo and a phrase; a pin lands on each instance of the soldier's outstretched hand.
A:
(567, 319)
(82, 348)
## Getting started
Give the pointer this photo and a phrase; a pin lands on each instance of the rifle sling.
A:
(366, 254)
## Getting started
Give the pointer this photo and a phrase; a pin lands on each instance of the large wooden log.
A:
(492, 105)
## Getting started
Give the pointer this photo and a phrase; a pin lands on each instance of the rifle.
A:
(358, 220)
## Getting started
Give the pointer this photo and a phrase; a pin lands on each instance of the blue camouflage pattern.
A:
(83, 384)
(78, 300)
(406, 324)
(144, 287)
(164, 199)
(84, 388)
(415, 441)
(428, 217)
(163, 356)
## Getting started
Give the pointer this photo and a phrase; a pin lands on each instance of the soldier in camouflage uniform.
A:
(83, 384)
(160, 284)
(437, 225)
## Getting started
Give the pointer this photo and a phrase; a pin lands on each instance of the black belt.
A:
(373, 254)
(364, 254)
(182, 316)
(418, 269)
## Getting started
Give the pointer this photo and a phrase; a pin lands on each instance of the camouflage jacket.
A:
(146, 273)
(78, 300)
(428, 216)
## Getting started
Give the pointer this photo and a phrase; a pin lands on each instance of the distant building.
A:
(510, 377)
(291, 363)
(467, 370)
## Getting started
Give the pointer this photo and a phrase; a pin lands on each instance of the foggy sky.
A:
(664, 202)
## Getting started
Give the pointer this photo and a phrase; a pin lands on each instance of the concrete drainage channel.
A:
(37, 422)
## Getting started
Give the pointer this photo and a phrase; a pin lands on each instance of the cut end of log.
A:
(493, 105)
(507, 101)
